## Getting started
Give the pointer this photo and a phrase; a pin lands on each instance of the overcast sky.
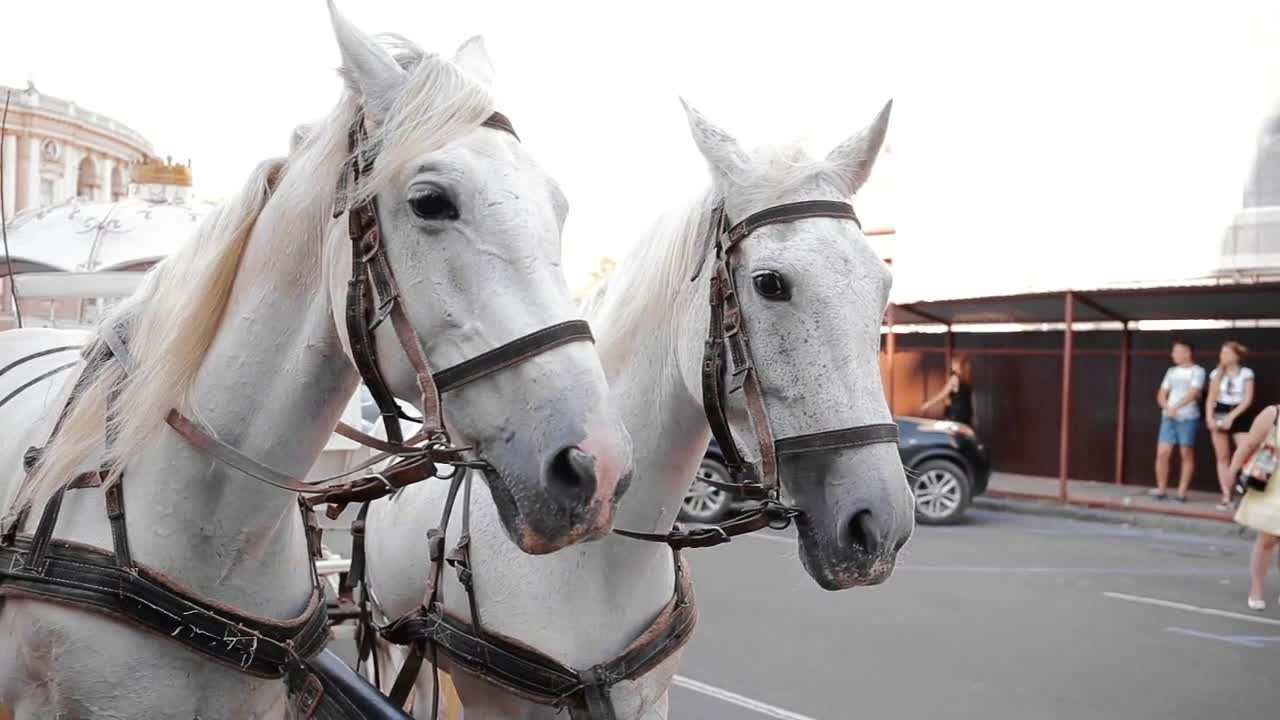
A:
(1031, 147)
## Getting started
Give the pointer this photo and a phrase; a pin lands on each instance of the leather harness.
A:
(535, 676)
(37, 565)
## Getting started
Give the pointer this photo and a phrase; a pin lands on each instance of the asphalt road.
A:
(1009, 616)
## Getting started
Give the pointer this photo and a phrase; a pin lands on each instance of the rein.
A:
(526, 672)
(110, 581)
(727, 368)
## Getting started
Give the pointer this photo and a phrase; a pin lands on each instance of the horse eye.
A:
(433, 204)
(771, 285)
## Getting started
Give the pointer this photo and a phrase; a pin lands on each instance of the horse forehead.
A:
(490, 156)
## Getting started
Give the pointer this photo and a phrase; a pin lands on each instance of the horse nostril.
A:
(572, 473)
(862, 532)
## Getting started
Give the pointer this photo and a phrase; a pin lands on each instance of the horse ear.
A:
(852, 159)
(369, 71)
(717, 146)
(473, 58)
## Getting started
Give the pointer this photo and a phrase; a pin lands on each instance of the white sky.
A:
(1032, 147)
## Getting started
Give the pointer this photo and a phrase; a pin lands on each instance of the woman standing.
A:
(957, 393)
(1260, 508)
(1226, 410)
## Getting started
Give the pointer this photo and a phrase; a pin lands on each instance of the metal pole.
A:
(1122, 405)
(891, 348)
(951, 349)
(1064, 438)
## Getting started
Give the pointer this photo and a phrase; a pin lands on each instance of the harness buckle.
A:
(707, 536)
(435, 545)
(779, 515)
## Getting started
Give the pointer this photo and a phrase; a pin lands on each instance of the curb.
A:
(1032, 505)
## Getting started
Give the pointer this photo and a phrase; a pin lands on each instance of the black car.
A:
(947, 465)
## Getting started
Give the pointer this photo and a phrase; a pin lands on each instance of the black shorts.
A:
(1242, 423)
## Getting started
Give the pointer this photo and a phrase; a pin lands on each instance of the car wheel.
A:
(942, 492)
(705, 503)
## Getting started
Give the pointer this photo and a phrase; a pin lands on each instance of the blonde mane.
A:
(172, 320)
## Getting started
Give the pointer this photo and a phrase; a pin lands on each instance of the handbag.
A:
(1258, 471)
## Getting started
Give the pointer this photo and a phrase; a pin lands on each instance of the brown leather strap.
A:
(728, 353)
(838, 439)
(790, 212)
(768, 513)
(528, 673)
(513, 353)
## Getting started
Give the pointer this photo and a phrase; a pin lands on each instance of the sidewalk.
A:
(1108, 502)
(1132, 498)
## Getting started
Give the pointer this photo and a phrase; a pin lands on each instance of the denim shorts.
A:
(1178, 432)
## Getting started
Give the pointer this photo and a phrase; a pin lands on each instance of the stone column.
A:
(30, 176)
(9, 150)
(105, 167)
(70, 171)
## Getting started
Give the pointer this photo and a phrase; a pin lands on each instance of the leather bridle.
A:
(533, 675)
(37, 565)
(371, 275)
(727, 368)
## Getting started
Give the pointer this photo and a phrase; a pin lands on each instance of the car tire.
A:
(942, 490)
(704, 503)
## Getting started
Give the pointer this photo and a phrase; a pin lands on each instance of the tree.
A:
(597, 276)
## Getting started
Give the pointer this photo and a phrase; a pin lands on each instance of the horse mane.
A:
(650, 290)
(172, 320)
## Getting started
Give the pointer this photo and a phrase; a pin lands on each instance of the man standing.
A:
(1178, 398)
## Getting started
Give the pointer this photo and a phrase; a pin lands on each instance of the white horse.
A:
(242, 329)
(813, 293)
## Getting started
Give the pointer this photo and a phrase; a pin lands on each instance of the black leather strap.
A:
(838, 439)
(530, 674)
(340, 693)
(512, 353)
(790, 212)
(36, 355)
(769, 513)
(90, 577)
(36, 380)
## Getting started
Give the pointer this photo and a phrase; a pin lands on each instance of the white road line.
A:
(771, 536)
(1241, 640)
(734, 698)
(1192, 608)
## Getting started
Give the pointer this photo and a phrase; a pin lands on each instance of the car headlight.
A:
(951, 427)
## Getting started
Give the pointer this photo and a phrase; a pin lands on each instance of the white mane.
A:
(654, 278)
(173, 318)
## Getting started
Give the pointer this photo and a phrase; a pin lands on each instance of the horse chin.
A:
(538, 527)
(841, 568)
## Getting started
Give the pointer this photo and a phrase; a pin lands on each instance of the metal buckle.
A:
(709, 536)
(779, 515)
(435, 545)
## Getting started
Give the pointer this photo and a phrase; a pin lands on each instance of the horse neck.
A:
(668, 428)
(273, 385)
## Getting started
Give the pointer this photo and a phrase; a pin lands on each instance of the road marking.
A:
(1249, 641)
(771, 536)
(734, 698)
(1191, 608)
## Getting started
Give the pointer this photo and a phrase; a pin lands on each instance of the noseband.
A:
(371, 275)
(111, 581)
(727, 368)
(536, 676)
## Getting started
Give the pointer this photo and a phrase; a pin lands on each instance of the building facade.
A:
(54, 150)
